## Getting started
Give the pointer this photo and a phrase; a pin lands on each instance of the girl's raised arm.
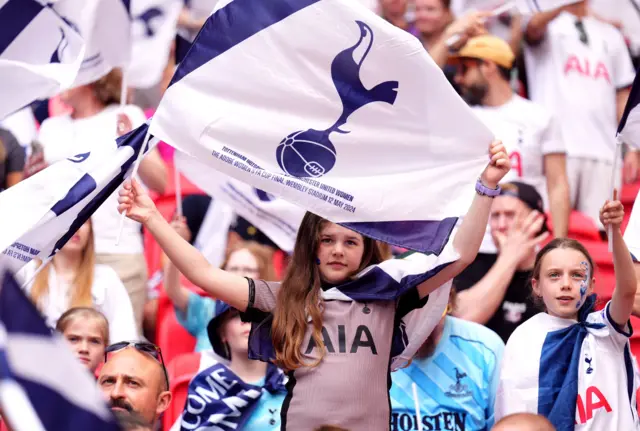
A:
(138, 206)
(611, 214)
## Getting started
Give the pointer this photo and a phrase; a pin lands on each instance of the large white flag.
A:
(41, 213)
(105, 26)
(329, 106)
(275, 217)
(43, 386)
(40, 53)
(153, 31)
(48, 47)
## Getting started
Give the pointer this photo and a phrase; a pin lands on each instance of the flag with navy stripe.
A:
(356, 124)
(48, 47)
(44, 211)
(629, 127)
(42, 385)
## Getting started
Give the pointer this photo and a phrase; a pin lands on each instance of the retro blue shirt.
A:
(266, 415)
(456, 385)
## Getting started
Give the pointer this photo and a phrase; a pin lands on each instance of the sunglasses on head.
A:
(141, 346)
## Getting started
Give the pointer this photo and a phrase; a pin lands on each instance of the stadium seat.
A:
(171, 337)
(581, 227)
(181, 370)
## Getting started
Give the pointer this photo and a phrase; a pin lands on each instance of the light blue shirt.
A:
(200, 310)
(266, 415)
(456, 385)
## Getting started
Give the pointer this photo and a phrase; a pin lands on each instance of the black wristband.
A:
(252, 292)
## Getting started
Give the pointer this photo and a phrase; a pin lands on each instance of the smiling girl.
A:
(571, 364)
(341, 318)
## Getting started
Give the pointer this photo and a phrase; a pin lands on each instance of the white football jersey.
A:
(606, 383)
(577, 82)
(528, 133)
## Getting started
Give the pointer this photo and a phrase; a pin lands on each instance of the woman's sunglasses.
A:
(141, 346)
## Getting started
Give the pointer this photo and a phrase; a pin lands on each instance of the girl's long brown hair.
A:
(82, 283)
(299, 295)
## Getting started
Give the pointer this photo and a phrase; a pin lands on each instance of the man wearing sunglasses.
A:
(580, 69)
(134, 379)
(527, 130)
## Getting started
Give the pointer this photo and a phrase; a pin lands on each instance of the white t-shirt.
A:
(528, 133)
(63, 137)
(603, 398)
(109, 297)
(577, 82)
(632, 232)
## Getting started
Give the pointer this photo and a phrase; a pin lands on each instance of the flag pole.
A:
(615, 176)
(176, 179)
(38, 271)
(134, 173)
(414, 388)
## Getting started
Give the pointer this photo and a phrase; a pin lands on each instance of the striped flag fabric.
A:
(48, 47)
(356, 124)
(629, 126)
(37, 394)
(61, 198)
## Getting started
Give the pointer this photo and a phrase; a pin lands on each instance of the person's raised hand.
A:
(612, 212)
(134, 202)
(523, 237)
(499, 165)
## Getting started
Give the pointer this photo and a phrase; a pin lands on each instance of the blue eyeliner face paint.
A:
(584, 284)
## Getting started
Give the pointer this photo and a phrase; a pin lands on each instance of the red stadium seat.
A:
(581, 227)
(181, 370)
(171, 337)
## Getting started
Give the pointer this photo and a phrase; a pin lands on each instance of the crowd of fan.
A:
(557, 122)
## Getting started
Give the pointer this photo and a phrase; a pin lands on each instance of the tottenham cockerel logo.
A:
(310, 153)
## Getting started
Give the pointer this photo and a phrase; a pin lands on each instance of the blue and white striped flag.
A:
(105, 26)
(47, 47)
(41, 213)
(327, 105)
(42, 385)
(40, 53)
(629, 126)
(153, 31)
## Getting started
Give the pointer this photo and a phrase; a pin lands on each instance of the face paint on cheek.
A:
(584, 284)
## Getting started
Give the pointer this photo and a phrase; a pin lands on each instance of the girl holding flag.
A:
(570, 363)
(341, 318)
